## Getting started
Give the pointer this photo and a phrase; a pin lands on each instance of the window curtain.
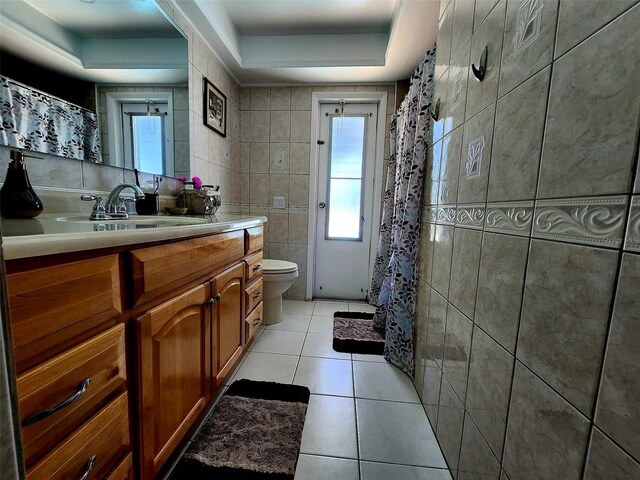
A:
(393, 285)
(33, 120)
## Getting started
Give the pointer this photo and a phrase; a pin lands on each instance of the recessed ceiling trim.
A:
(313, 50)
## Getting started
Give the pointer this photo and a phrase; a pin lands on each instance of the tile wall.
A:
(528, 315)
(275, 130)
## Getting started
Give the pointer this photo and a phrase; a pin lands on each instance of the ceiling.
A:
(310, 17)
(261, 42)
(269, 42)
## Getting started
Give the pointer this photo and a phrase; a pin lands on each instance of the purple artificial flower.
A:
(182, 178)
(197, 183)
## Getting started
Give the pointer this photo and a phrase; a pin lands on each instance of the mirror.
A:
(95, 80)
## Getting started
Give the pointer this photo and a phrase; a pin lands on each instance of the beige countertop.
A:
(50, 234)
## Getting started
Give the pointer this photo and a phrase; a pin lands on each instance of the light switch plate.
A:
(278, 202)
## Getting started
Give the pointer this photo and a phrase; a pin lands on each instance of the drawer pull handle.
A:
(256, 295)
(256, 267)
(88, 467)
(42, 414)
(257, 321)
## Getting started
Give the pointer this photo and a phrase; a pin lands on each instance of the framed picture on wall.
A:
(215, 108)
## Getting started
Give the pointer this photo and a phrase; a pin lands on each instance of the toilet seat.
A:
(276, 267)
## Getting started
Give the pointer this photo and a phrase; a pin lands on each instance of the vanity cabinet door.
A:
(174, 355)
(228, 321)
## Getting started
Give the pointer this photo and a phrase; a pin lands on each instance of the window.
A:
(145, 137)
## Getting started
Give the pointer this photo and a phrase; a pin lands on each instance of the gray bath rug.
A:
(353, 332)
(253, 433)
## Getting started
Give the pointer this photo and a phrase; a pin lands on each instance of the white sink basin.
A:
(149, 221)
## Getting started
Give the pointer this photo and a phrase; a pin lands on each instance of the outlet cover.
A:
(278, 202)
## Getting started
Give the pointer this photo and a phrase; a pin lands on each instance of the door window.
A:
(345, 179)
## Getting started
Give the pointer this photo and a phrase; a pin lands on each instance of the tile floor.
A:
(365, 420)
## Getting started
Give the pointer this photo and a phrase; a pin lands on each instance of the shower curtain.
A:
(393, 284)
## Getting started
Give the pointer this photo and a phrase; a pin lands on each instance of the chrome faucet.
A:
(111, 209)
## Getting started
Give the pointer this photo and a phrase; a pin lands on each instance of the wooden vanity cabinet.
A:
(157, 328)
(174, 362)
(228, 321)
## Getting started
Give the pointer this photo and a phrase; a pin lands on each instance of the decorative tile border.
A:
(264, 209)
(446, 215)
(591, 221)
(470, 216)
(511, 217)
(473, 165)
(429, 214)
(528, 20)
(632, 240)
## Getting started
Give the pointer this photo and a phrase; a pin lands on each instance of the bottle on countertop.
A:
(17, 197)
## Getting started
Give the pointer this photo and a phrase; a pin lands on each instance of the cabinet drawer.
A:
(124, 471)
(54, 308)
(253, 239)
(163, 269)
(253, 321)
(253, 267)
(103, 439)
(57, 396)
(253, 295)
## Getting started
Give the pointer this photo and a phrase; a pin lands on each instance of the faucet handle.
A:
(99, 211)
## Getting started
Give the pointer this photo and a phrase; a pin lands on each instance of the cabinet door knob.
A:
(88, 467)
(256, 267)
(42, 414)
(213, 299)
(257, 321)
(256, 295)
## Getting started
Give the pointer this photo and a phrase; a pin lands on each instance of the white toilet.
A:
(278, 276)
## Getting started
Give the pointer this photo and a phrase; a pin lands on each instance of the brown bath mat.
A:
(353, 332)
(253, 433)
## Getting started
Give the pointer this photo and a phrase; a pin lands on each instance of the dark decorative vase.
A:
(17, 197)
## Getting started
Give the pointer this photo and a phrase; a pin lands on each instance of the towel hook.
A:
(480, 72)
(435, 111)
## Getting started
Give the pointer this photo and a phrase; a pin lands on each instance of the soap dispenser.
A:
(17, 197)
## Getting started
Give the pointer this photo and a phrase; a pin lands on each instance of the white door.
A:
(345, 200)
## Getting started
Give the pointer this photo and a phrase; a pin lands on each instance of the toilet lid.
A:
(278, 266)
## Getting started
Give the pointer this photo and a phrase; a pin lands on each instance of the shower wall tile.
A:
(427, 242)
(457, 89)
(464, 270)
(578, 19)
(517, 140)
(546, 436)
(475, 159)
(483, 93)
(442, 259)
(483, 7)
(449, 428)
(443, 52)
(431, 391)
(529, 35)
(618, 407)
(422, 312)
(457, 348)
(462, 24)
(594, 116)
(432, 174)
(450, 167)
(606, 460)
(490, 375)
(564, 317)
(476, 459)
(500, 283)
(436, 322)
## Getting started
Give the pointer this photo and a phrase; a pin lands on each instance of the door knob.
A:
(322, 204)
